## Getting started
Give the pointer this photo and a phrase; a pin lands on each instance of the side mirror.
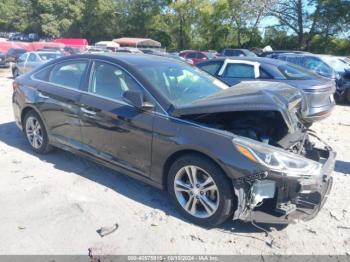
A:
(135, 98)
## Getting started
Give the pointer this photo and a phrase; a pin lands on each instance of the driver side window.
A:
(111, 82)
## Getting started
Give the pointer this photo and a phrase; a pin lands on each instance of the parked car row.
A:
(11, 56)
(331, 67)
(31, 60)
(221, 151)
(318, 91)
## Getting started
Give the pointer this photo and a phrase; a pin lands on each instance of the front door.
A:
(112, 129)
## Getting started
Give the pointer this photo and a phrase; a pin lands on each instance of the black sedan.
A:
(221, 153)
(317, 90)
(13, 54)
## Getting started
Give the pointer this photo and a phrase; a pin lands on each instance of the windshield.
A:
(293, 72)
(180, 83)
(337, 64)
(49, 56)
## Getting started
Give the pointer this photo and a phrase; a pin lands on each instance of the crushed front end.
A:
(293, 185)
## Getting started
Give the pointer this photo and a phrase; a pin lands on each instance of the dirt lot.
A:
(54, 204)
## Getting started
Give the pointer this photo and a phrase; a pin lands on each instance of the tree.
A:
(308, 18)
(99, 20)
(245, 16)
(55, 17)
(13, 15)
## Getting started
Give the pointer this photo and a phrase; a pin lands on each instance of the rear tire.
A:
(36, 133)
(207, 198)
(15, 73)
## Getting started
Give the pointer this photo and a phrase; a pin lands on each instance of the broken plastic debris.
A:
(104, 231)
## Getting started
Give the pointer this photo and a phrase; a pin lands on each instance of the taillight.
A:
(15, 86)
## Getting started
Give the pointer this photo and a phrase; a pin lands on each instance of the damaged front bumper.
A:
(293, 198)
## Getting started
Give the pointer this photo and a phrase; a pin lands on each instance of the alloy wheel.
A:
(34, 132)
(196, 191)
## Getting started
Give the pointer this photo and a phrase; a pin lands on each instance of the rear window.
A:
(249, 53)
(239, 71)
(293, 72)
(211, 68)
(191, 55)
(68, 74)
(201, 56)
(230, 52)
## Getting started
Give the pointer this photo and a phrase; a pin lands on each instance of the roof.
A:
(139, 59)
(130, 41)
(304, 54)
(45, 52)
(263, 60)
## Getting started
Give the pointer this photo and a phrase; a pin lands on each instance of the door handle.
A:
(41, 95)
(89, 112)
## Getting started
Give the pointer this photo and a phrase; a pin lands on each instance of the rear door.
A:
(58, 93)
(112, 129)
(235, 71)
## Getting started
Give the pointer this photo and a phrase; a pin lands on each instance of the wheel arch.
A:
(28, 108)
(180, 153)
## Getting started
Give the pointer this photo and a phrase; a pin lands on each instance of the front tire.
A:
(200, 190)
(36, 134)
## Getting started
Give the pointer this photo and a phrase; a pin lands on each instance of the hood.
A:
(246, 96)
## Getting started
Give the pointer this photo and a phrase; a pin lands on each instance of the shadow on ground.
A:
(342, 167)
(131, 188)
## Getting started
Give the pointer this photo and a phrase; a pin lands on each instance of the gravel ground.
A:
(54, 204)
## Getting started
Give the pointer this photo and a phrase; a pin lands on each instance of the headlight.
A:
(276, 159)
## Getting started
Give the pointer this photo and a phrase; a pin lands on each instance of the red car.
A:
(193, 57)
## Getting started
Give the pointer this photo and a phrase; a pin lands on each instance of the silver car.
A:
(30, 60)
(317, 90)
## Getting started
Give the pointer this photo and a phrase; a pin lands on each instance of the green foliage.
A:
(314, 25)
(13, 15)
(99, 21)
